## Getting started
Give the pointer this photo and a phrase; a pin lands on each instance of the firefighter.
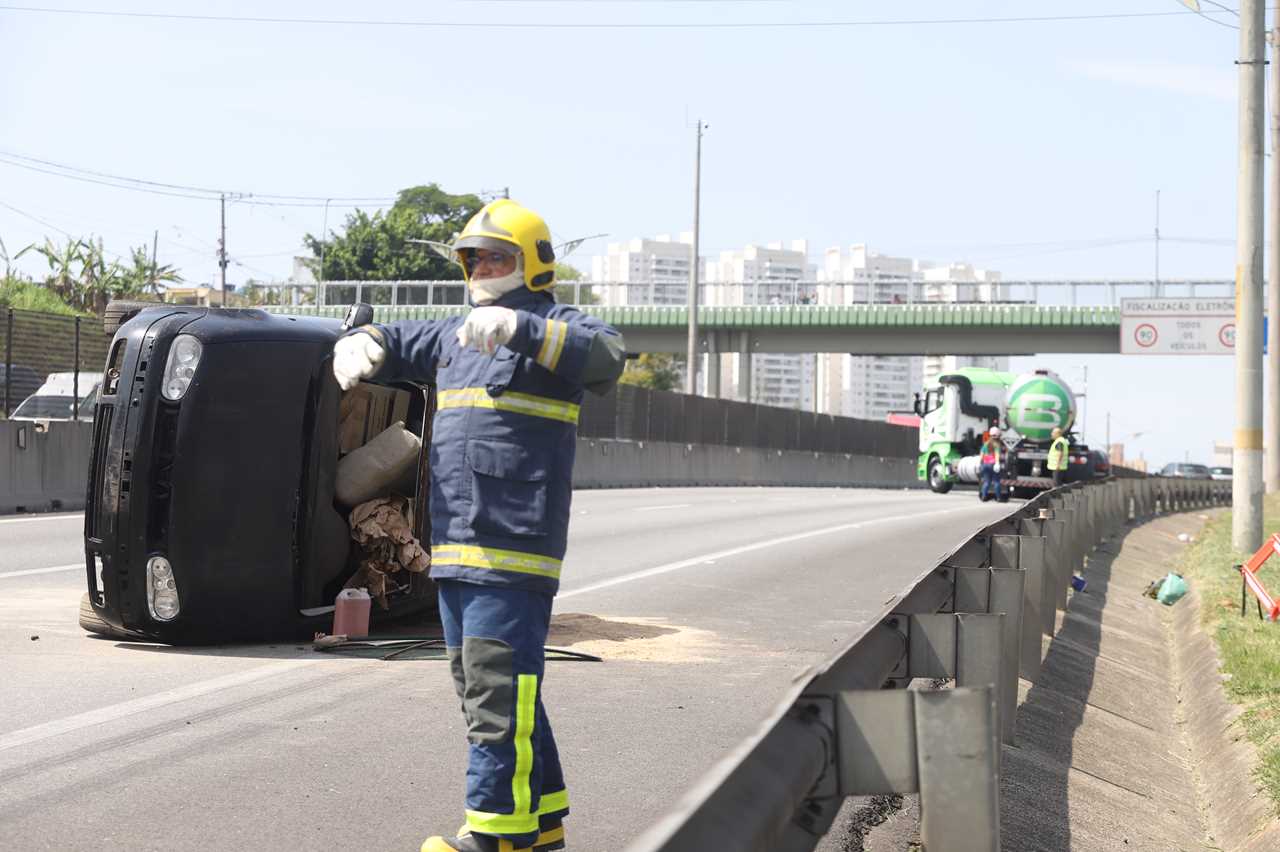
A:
(1059, 457)
(509, 377)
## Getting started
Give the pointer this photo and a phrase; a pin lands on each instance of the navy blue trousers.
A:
(990, 482)
(495, 637)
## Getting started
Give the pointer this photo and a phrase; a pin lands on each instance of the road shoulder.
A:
(1124, 740)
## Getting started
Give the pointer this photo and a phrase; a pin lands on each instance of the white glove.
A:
(997, 467)
(487, 328)
(356, 357)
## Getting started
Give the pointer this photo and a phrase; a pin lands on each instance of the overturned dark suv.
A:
(211, 511)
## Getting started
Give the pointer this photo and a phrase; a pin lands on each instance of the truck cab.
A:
(211, 513)
(955, 411)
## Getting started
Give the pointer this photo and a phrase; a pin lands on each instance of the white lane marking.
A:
(670, 506)
(103, 715)
(30, 518)
(28, 572)
(747, 548)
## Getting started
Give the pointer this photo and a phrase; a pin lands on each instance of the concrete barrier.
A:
(43, 469)
(637, 464)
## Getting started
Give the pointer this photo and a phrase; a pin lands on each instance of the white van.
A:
(55, 400)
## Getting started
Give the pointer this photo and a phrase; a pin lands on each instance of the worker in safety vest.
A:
(991, 463)
(509, 375)
(1059, 457)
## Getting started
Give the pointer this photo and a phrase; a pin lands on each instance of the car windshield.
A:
(1195, 469)
(46, 407)
(1225, 470)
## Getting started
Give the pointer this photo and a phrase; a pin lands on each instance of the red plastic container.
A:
(351, 613)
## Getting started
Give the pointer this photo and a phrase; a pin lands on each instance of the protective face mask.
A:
(487, 290)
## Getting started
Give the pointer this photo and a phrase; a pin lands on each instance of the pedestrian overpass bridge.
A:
(935, 328)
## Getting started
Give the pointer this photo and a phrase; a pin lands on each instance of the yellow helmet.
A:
(504, 225)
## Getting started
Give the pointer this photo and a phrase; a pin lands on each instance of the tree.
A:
(83, 278)
(377, 247)
(654, 370)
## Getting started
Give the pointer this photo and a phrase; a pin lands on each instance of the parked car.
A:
(212, 512)
(1185, 470)
(56, 399)
(1221, 474)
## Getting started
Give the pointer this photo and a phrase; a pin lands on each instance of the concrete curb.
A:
(1240, 816)
(1125, 739)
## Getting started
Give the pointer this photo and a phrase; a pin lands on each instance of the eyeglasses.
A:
(486, 257)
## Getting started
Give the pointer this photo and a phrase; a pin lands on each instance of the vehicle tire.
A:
(938, 483)
(91, 622)
(120, 311)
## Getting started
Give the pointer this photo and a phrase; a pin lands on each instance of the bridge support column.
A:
(744, 366)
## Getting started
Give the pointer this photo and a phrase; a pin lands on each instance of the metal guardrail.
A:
(848, 729)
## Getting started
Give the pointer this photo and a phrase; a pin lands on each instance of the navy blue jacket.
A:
(503, 439)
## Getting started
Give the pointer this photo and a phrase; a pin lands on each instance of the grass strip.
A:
(1249, 648)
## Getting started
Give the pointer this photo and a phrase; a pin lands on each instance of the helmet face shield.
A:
(494, 254)
(505, 226)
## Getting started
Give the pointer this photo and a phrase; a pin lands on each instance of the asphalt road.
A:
(704, 602)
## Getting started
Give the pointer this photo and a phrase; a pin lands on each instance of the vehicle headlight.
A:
(162, 589)
(184, 357)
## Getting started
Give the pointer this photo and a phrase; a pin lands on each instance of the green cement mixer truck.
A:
(956, 409)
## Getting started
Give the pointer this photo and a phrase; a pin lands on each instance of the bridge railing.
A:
(849, 728)
(869, 291)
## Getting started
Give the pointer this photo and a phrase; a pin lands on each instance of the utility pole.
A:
(1271, 462)
(1157, 293)
(691, 368)
(222, 250)
(155, 251)
(1246, 484)
(324, 243)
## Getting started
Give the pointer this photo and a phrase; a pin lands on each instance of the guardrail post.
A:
(1024, 554)
(1045, 552)
(941, 744)
(997, 590)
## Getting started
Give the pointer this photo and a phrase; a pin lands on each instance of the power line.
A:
(64, 170)
(604, 25)
(48, 224)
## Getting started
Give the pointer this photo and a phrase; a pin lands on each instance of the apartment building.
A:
(646, 271)
(772, 274)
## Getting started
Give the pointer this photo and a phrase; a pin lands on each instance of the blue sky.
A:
(945, 142)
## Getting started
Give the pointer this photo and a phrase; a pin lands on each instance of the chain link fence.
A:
(52, 365)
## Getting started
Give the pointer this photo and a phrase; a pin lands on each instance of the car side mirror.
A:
(361, 313)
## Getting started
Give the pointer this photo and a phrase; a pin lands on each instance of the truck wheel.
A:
(937, 477)
(120, 311)
(90, 621)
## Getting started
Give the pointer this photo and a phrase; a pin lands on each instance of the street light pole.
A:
(1271, 462)
(691, 368)
(1246, 496)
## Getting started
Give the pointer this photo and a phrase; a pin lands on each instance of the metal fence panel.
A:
(34, 345)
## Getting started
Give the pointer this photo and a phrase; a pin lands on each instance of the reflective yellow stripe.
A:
(549, 803)
(483, 823)
(474, 556)
(526, 696)
(546, 838)
(552, 343)
(519, 403)
(561, 338)
(523, 820)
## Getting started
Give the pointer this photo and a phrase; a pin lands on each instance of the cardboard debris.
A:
(365, 411)
(383, 529)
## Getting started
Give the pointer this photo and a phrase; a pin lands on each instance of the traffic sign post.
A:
(1177, 327)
